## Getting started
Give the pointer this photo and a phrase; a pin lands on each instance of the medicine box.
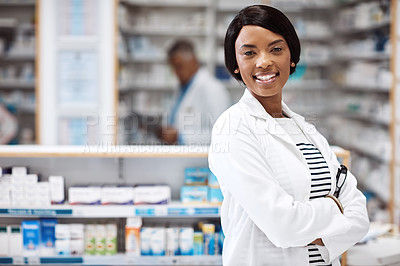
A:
(15, 242)
(121, 195)
(215, 195)
(152, 194)
(3, 240)
(56, 189)
(87, 195)
(196, 176)
(194, 194)
(48, 236)
(212, 180)
(31, 237)
(186, 237)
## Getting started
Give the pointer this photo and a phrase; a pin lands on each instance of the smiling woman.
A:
(277, 173)
(264, 64)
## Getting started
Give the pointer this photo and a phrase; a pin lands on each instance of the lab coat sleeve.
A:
(242, 170)
(214, 101)
(355, 213)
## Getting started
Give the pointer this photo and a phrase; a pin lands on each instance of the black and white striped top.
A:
(320, 175)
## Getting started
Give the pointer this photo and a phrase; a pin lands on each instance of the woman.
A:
(277, 173)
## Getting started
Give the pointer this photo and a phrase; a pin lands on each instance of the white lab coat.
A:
(266, 215)
(202, 104)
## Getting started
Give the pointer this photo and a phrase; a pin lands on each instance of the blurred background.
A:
(66, 65)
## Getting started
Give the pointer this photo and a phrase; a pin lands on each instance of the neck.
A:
(273, 105)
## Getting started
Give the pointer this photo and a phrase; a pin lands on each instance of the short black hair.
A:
(180, 46)
(264, 16)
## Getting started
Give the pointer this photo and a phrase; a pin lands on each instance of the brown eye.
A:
(249, 53)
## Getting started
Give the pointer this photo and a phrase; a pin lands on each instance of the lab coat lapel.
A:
(271, 126)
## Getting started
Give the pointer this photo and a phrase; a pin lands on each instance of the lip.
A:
(265, 78)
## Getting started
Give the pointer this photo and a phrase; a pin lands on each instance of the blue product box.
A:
(31, 237)
(212, 180)
(48, 236)
(194, 194)
(196, 176)
(215, 195)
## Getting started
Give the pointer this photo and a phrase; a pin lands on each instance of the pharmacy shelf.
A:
(119, 259)
(172, 210)
(147, 87)
(373, 56)
(17, 58)
(377, 89)
(5, 84)
(170, 3)
(111, 151)
(383, 158)
(366, 118)
(376, 26)
(18, 3)
(167, 32)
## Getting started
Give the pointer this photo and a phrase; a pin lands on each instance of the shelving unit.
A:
(362, 71)
(17, 64)
(120, 259)
(115, 165)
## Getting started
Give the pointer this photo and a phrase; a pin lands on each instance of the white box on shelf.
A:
(84, 195)
(117, 195)
(3, 240)
(15, 242)
(19, 171)
(57, 189)
(152, 194)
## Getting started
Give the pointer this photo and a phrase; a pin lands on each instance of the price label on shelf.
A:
(33, 261)
(18, 261)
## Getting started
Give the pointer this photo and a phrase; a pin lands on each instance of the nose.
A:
(263, 61)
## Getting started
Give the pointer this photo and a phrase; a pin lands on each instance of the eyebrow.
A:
(253, 46)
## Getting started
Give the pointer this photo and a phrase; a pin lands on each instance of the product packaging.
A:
(111, 239)
(31, 237)
(57, 189)
(63, 237)
(3, 240)
(100, 239)
(215, 195)
(15, 240)
(152, 194)
(145, 240)
(198, 246)
(172, 248)
(90, 239)
(186, 236)
(132, 235)
(48, 237)
(208, 234)
(196, 176)
(87, 195)
(191, 194)
(158, 241)
(122, 195)
(77, 235)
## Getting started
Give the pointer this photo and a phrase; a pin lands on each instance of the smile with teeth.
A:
(265, 77)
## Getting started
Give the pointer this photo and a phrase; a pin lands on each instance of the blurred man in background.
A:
(200, 101)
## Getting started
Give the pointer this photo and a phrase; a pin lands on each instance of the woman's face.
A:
(263, 58)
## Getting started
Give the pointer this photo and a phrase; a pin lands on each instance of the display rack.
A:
(115, 165)
(362, 119)
(119, 259)
(17, 64)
